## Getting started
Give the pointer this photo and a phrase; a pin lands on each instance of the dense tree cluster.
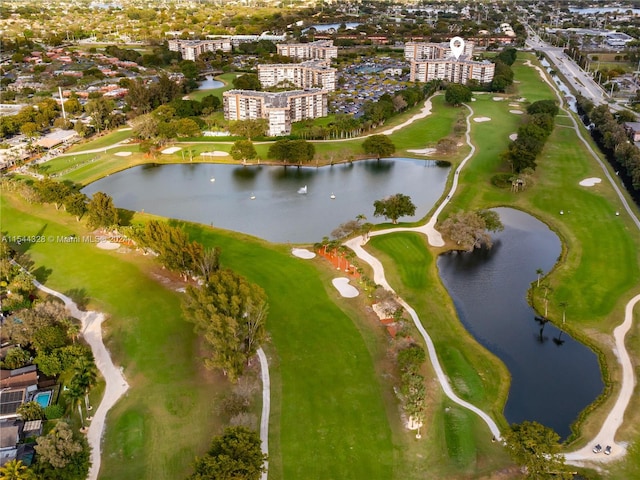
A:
(230, 314)
(394, 207)
(292, 151)
(536, 448)
(243, 150)
(532, 135)
(236, 455)
(412, 384)
(611, 135)
(470, 230)
(62, 454)
(30, 121)
(503, 74)
(159, 57)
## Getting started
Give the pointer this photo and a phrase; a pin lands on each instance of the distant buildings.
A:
(280, 108)
(434, 61)
(305, 75)
(318, 50)
(432, 51)
(192, 49)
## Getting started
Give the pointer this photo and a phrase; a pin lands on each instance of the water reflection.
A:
(550, 385)
(278, 212)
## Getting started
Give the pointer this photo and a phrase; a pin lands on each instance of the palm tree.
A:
(15, 470)
(85, 375)
(539, 272)
(75, 392)
(563, 306)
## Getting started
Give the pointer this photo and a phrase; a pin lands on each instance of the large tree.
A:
(378, 145)
(394, 207)
(470, 230)
(456, 94)
(16, 470)
(536, 448)
(230, 313)
(59, 449)
(247, 81)
(243, 150)
(236, 455)
(101, 211)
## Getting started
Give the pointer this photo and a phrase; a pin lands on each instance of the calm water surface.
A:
(278, 213)
(554, 377)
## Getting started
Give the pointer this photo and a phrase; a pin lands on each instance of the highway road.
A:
(579, 80)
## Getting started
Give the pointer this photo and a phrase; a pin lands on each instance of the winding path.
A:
(435, 239)
(116, 385)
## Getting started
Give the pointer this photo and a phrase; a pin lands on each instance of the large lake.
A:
(278, 212)
(553, 377)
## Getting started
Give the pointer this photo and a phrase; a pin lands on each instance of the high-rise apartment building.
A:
(318, 50)
(305, 75)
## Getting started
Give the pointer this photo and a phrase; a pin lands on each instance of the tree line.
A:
(532, 135)
(610, 134)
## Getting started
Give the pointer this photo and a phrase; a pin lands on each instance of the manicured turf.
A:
(328, 391)
(102, 141)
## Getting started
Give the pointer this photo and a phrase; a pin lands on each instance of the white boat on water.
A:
(252, 197)
(302, 190)
(333, 196)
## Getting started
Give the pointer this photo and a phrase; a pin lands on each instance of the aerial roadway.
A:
(576, 77)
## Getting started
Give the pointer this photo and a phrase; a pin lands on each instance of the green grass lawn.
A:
(102, 141)
(326, 391)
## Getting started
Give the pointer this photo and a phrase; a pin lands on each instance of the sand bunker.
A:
(423, 151)
(498, 99)
(216, 153)
(513, 137)
(170, 150)
(514, 104)
(481, 119)
(122, 154)
(302, 253)
(108, 245)
(590, 182)
(517, 112)
(346, 290)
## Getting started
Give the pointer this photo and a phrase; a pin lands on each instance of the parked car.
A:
(607, 450)
(597, 448)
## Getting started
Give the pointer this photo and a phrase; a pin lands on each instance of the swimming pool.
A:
(43, 398)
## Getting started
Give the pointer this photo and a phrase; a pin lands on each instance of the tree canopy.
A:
(456, 94)
(230, 314)
(293, 151)
(536, 447)
(101, 211)
(470, 230)
(378, 145)
(394, 207)
(236, 455)
(243, 150)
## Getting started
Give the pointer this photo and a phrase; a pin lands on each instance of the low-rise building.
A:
(318, 50)
(305, 75)
(279, 108)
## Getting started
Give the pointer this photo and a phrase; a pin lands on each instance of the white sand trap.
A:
(122, 154)
(170, 150)
(481, 119)
(302, 253)
(516, 112)
(590, 182)
(423, 151)
(108, 245)
(514, 104)
(346, 290)
(125, 129)
(498, 99)
(216, 153)
(473, 99)
(513, 137)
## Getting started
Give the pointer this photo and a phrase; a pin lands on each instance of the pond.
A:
(553, 376)
(264, 200)
(209, 83)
